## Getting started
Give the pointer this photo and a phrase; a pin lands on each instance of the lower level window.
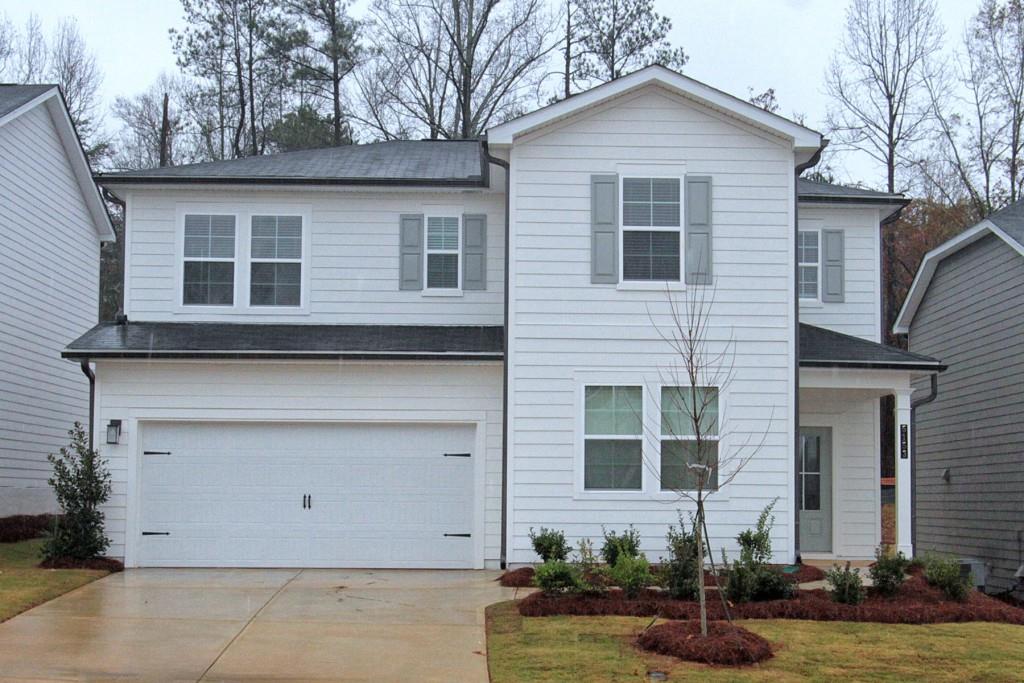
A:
(686, 461)
(613, 438)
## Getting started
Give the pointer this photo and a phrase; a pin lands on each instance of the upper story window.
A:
(208, 275)
(442, 253)
(651, 228)
(683, 466)
(809, 263)
(613, 438)
(275, 261)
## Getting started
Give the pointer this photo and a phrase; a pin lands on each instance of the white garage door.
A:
(306, 495)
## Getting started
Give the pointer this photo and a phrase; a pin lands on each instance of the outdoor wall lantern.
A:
(113, 431)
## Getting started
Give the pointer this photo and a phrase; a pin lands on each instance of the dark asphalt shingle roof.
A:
(414, 162)
(1011, 220)
(824, 348)
(13, 96)
(811, 190)
(220, 340)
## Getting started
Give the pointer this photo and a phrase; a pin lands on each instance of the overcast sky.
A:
(733, 45)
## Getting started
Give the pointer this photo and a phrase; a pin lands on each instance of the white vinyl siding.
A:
(49, 268)
(566, 332)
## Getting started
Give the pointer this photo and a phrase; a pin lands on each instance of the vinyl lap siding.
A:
(972, 317)
(50, 271)
(567, 331)
(354, 247)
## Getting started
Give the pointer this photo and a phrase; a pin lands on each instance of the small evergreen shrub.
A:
(888, 572)
(557, 576)
(549, 544)
(628, 544)
(944, 574)
(592, 574)
(631, 574)
(679, 572)
(756, 544)
(847, 586)
(756, 583)
(81, 483)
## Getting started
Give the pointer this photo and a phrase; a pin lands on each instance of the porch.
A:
(838, 456)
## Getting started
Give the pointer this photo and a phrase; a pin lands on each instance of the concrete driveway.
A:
(255, 624)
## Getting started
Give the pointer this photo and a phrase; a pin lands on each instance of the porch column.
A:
(904, 452)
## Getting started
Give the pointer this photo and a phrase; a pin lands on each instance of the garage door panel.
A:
(230, 494)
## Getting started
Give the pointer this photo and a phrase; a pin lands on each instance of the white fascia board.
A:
(803, 138)
(931, 261)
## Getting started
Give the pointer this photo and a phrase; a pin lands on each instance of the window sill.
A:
(442, 292)
(242, 310)
(658, 496)
(644, 286)
(811, 303)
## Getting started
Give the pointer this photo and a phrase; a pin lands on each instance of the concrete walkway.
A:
(242, 624)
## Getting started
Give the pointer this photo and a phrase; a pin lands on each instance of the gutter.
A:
(933, 392)
(92, 396)
(504, 375)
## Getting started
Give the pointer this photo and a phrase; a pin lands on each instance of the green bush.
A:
(944, 574)
(888, 572)
(592, 574)
(756, 583)
(631, 574)
(81, 483)
(628, 544)
(756, 543)
(557, 576)
(679, 573)
(847, 586)
(549, 544)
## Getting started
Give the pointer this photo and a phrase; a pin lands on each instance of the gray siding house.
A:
(966, 306)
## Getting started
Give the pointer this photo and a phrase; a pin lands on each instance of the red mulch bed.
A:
(725, 643)
(17, 528)
(102, 563)
(806, 574)
(517, 578)
(917, 603)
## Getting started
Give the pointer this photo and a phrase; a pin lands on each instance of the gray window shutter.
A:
(833, 282)
(697, 237)
(410, 245)
(474, 251)
(604, 229)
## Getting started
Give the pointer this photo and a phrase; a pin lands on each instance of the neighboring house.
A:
(967, 305)
(342, 357)
(52, 222)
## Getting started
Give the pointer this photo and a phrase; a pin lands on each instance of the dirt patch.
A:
(17, 528)
(106, 564)
(916, 603)
(517, 578)
(725, 643)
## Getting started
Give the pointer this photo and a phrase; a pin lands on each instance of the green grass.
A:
(24, 585)
(592, 649)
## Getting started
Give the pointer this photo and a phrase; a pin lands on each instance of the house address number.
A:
(904, 442)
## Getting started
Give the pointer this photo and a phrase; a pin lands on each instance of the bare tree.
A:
(32, 52)
(72, 66)
(765, 99)
(620, 36)
(154, 128)
(8, 47)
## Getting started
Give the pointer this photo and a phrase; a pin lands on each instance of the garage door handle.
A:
(458, 535)
(156, 533)
(458, 455)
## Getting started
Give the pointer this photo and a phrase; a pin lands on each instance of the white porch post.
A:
(904, 453)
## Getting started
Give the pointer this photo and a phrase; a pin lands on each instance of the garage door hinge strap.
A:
(156, 452)
(458, 455)
(459, 535)
(156, 533)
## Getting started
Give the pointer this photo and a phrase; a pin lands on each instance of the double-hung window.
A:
(651, 228)
(613, 438)
(684, 465)
(809, 263)
(442, 253)
(275, 261)
(208, 271)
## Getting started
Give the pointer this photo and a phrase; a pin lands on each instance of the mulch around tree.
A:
(805, 574)
(916, 603)
(725, 643)
(517, 578)
(106, 564)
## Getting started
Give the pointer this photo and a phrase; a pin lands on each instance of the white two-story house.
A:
(407, 354)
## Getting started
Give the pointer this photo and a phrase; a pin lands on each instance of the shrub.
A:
(628, 544)
(549, 544)
(557, 576)
(847, 586)
(631, 574)
(944, 574)
(888, 572)
(756, 543)
(756, 583)
(679, 573)
(25, 527)
(592, 575)
(81, 483)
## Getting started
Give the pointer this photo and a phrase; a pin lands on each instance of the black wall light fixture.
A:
(113, 431)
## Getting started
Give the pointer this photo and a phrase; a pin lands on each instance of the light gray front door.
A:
(816, 489)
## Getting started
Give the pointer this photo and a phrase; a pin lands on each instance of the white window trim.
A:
(649, 285)
(685, 437)
(427, 251)
(817, 298)
(303, 262)
(243, 242)
(616, 493)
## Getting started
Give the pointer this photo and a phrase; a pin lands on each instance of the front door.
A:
(816, 489)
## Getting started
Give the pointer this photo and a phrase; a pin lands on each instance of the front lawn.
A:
(601, 649)
(24, 585)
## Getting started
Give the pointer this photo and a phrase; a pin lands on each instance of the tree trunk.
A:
(701, 592)
(165, 134)
(568, 49)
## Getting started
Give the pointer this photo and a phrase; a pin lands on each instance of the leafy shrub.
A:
(24, 527)
(944, 574)
(679, 573)
(557, 576)
(81, 483)
(888, 572)
(756, 543)
(592, 575)
(628, 544)
(631, 574)
(549, 544)
(847, 586)
(756, 583)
